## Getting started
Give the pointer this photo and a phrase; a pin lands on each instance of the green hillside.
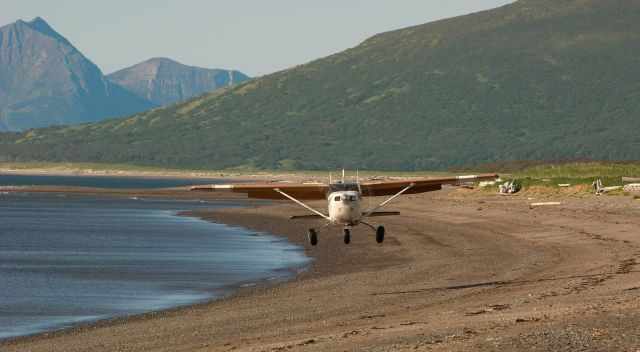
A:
(536, 80)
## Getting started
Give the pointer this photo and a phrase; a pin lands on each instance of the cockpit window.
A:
(353, 198)
(337, 198)
(339, 187)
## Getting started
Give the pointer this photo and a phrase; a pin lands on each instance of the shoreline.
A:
(136, 174)
(226, 292)
(109, 173)
(461, 270)
(237, 289)
(151, 174)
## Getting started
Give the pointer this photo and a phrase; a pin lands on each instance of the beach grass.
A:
(582, 170)
(574, 174)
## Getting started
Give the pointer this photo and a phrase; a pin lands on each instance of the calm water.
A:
(101, 181)
(68, 259)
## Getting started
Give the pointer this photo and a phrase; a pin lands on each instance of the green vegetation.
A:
(535, 80)
(578, 173)
(582, 170)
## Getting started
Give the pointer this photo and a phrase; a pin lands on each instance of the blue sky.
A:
(256, 37)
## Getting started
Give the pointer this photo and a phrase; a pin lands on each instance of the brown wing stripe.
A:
(395, 188)
(420, 185)
(298, 194)
(267, 190)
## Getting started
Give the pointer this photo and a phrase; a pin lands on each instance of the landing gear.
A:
(313, 237)
(380, 234)
(347, 236)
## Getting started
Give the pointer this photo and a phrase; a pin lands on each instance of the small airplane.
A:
(345, 198)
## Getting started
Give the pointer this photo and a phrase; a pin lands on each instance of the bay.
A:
(70, 259)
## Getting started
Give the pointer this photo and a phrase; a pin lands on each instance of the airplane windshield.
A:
(340, 187)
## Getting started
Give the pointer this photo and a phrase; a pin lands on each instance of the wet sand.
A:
(459, 270)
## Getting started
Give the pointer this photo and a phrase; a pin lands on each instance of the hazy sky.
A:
(256, 37)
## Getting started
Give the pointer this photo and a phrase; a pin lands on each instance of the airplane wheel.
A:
(347, 236)
(380, 234)
(313, 237)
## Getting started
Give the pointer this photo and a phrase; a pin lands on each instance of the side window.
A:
(337, 198)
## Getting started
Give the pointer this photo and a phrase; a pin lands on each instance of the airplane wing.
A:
(419, 185)
(318, 191)
(301, 191)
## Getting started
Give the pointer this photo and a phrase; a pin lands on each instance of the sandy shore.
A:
(194, 175)
(70, 171)
(459, 271)
(227, 175)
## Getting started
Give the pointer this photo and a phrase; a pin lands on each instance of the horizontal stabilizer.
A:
(383, 213)
(305, 217)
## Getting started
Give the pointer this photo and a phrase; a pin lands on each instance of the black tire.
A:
(380, 234)
(313, 237)
(347, 236)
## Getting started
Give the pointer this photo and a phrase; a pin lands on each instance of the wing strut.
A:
(302, 204)
(410, 186)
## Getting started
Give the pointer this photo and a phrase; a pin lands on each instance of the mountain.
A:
(533, 80)
(164, 81)
(45, 80)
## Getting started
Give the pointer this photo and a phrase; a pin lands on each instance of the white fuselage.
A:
(345, 208)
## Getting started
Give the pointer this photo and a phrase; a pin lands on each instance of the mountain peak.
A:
(38, 21)
(165, 81)
(39, 25)
(161, 60)
(45, 80)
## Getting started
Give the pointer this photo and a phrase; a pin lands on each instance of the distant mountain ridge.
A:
(45, 80)
(533, 80)
(164, 81)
